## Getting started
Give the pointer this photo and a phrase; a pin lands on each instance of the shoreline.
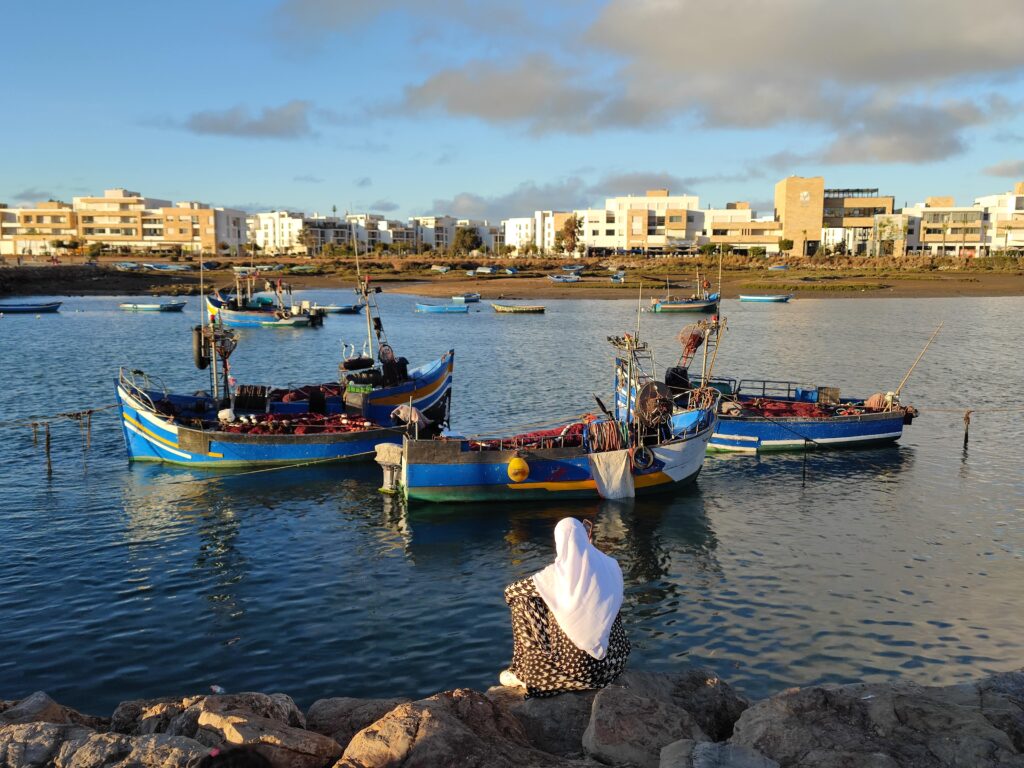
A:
(803, 283)
(686, 718)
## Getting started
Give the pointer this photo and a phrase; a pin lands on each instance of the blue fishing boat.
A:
(168, 267)
(239, 425)
(511, 271)
(486, 270)
(255, 318)
(574, 278)
(706, 303)
(30, 309)
(340, 309)
(573, 268)
(244, 307)
(778, 267)
(445, 309)
(126, 266)
(778, 298)
(466, 298)
(628, 453)
(170, 306)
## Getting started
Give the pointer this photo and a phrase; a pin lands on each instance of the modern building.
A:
(848, 218)
(800, 208)
(1005, 219)
(519, 233)
(122, 219)
(277, 232)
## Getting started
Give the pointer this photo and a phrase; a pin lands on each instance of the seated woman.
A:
(566, 630)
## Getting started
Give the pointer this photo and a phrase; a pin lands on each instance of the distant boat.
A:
(439, 268)
(703, 304)
(574, 268)
(30, 309)
(466, 298)
(303, 269)
(574, 278)
(618, 277)
(453, 309)
(486, 270)
(172, 306)
(126, 266)
(470, 273)
(511, 271)
(168, 267)
(341, 309)
(779, 267)
(519, 309)
(779, 298)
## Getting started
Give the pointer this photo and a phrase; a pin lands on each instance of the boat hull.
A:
(442, 309)
(254, 318)
(349, 309)
(30, 309)
(446, 471)
(779, 299)
(760, 435)
(684, 306)
(518, 309)
(174, 307)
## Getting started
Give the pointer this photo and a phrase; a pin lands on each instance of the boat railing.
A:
(770, 388)
(139, 384)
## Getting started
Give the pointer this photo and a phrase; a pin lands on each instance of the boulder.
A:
(146, 715)
(40, 708)
(460, 727)
(342, 718)
(555, 724)
(710, 700)
(180, 717)
(881, 725)
(283, 745)
(117, 750)
(627, 728)
(687, 753)
(32, 745)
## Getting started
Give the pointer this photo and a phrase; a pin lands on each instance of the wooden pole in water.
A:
(904, 381)
(49, 463)
(967, 425)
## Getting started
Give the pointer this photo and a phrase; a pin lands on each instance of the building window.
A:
(610, 232)
(675, 219)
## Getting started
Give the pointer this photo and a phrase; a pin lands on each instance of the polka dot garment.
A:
(543, 656)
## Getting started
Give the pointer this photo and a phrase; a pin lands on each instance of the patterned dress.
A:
(545, 658)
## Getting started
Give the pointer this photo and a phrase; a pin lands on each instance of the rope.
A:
(35, 421)
(233, 475)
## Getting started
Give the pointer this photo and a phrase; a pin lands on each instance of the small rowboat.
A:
(174, 306)
(30, 309)
(574, 268)
(452, 309)
(779, 298)
(466, 298)
(519, 309)
(778, 267)
(573, 278)
(342, 309)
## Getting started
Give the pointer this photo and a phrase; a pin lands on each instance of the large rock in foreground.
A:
(893, 725)
(40, 708)
(459, 727)
(554, 725)
(342, 718)
(64, 745)
(283, 745)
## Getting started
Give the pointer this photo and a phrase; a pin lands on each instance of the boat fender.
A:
(518, 470)
(199, 348)
(643, 458)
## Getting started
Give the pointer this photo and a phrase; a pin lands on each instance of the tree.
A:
(559, 242)
(758, 252)
(94, 251)
(309, 241)
(785, 244)
(707, 249)
(572, 231)
(466, 239)
(57, 245)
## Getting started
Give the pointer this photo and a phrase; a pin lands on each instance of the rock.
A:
(459, 727)
(886, 726)
(29, 745)
(117, 750)
(687, 753)
(40, 708)
(555, 724)
(343, 718)
(709, 699)
(283, 745)
(145, 715)
(626, 728)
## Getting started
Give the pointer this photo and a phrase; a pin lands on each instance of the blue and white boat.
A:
(45, 308)
(340, 309)
(250, 425)
(443, 309)
(779, 267)
(573, 268)
(629, 453)
(777, 298)
(759, 415)
(707, 302)
(168, 267)
(618, 277)
(466, 298)
(573, 278)
(167, 306)
(244, 307)
(511, 271)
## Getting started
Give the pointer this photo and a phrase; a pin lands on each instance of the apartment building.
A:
(519, 233)
(122, 218)
(1005, 218)
(737, 229)
(800, 207)
(277, 232)
(848, 218)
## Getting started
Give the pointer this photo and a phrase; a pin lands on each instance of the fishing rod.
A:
(904, 381)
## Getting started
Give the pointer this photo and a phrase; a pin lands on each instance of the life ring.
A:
(643, 458)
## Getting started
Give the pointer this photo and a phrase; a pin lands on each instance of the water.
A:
(123, 581)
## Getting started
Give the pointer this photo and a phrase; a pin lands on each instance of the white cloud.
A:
(289, 121)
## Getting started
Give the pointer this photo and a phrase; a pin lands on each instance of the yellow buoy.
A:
(518, 470)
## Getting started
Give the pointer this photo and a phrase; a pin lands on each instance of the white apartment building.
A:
(277, 232)
(1005, 218)
(518, 233)
(434, 232)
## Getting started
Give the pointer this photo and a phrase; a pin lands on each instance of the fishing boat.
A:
(778, 298)
(519, 309)
(30, 309)
(449, 309)
(340, 309)
(243, 307)
(701, 301)
(573, 268)
(466, 298)
(620, 455)
(573, 278)
(375, 399)
(172, 306)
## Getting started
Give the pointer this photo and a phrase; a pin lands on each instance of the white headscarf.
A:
(582, 588)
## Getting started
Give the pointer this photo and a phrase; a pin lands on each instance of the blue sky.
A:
(488, 109)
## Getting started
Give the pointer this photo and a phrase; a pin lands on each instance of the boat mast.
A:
(363, 291)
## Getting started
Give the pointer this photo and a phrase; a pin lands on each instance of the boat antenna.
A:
(363, 290)
(904, 381)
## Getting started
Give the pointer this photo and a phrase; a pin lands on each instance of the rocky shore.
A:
(686, 719)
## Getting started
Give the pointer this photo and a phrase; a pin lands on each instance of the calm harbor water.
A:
(121, 581)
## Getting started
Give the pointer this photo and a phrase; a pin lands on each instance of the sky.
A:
(486, 109)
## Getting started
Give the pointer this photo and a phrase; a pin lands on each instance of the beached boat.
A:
(778, 298)
(247, 425)
(30, 309)
(778, 267)
(440, 268)
(486, 270)
(573, 268)
(126, 266)
(511, 271)
(618, 277)
(449, 309)
(519, 309)
(573, 278)
(168, 267)
(173, 306)
(629, 453)
(466, 298)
